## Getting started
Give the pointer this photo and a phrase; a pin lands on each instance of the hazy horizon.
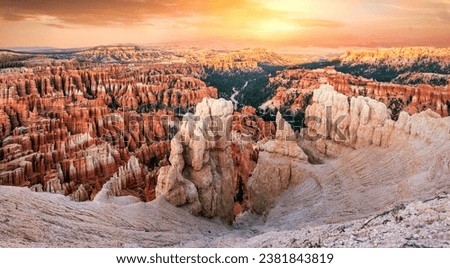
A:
(300, 51)
(277, 25)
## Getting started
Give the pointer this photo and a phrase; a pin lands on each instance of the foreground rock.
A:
(415, 225)
(58, 222)
(200, 176)
(281, 164)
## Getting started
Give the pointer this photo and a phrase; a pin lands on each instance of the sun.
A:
(273, 26)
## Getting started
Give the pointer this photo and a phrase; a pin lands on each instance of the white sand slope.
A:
(29, 219)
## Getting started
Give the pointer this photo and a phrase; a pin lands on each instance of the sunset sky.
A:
(275, 24)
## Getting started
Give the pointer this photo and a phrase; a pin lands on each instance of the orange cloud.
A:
(104, 12)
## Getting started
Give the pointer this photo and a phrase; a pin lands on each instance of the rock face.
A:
(250, 126)
(200, 176)
(80, 194)
(245, 59)
(128, 175)
(358, 122)
(399, 58)
(247, 129)
(421, 223)
(281, 163)
(406, 65)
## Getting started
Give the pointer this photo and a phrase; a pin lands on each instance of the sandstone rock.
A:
(80, 194)
(201, 172)
(251, 127)
(127, 175)
(281, 163)
(37, 188)
(358, 124)
(363, 123)
(53, 185)
(289, 148)
(245, 157)
(284, 129)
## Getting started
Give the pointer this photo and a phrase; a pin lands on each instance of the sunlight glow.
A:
(273, 26)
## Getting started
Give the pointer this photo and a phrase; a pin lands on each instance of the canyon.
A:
(64, 130)
(303, 204)
(131, 147)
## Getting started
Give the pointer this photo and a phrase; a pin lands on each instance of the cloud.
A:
(100, 12)
(437, 10)
(126, 12)
(107, 12)
(12, 17)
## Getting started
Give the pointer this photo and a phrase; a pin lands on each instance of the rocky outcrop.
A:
(399, 58)
(414, 78)
(251, 127)
(281, 164)
(246, 59)
(245, 157)
(359, 122)
(200, 176)
(80, 194)
(127, 176)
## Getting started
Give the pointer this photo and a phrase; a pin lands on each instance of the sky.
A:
(274, 24)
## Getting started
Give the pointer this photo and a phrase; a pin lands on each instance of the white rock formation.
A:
(334, 120)
(200, 175)
(126, 175)
(281, 163)
(285, 143)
